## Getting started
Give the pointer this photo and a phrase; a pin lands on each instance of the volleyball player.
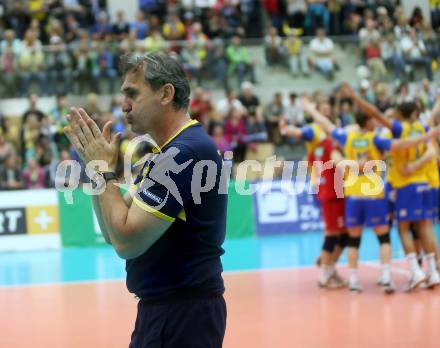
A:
(365, 207)
(412, 188)
(321, 148)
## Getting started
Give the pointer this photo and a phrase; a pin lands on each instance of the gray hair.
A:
(159, 69)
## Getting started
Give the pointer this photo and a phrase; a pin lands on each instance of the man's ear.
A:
(167, 94)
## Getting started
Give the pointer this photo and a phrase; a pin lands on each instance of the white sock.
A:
(332, 269)
(385, 273)
(430, 258)
(326, 273)
(413, 264)
(353, 276)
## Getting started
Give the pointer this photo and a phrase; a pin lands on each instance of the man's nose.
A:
(126, 107)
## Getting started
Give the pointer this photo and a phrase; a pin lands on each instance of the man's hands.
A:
(90, 143)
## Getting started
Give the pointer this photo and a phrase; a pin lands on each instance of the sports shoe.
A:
(433, 280)
(339, 279)
(379, 281)
(355, 287)
(388, 287)
(334, 282)
(417, 279)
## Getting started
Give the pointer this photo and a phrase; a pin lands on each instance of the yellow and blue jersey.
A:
(312, 136)
(359, 146)
(386, 156)
(389, 188)
(413, 195)
(401, 157)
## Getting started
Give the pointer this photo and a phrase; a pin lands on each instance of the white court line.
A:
(271, 269)
(394, 269)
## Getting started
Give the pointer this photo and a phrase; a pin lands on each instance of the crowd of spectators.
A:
(337, 17)
(391, 45)
(73, 47)
(69, 46)
(239, 122)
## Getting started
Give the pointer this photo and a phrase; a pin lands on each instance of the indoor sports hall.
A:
(275, 85)
(76, 296)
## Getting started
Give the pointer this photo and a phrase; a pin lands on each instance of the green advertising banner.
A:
(79, 226)
(240, 219)
(78, 222)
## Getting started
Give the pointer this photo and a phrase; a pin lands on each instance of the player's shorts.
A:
(390, 195)
(188, 323)
(435, 204)
(366, 212)
(413, 202)
(333, 213)
(431, 208)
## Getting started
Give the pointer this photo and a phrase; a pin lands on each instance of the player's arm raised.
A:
(368, 108)
(405, 143)
(320, 119)
(435, 112)
(289, 130)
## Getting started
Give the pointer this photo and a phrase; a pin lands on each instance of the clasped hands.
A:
(90, 143)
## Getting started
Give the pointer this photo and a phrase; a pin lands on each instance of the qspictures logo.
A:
(159, 168)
